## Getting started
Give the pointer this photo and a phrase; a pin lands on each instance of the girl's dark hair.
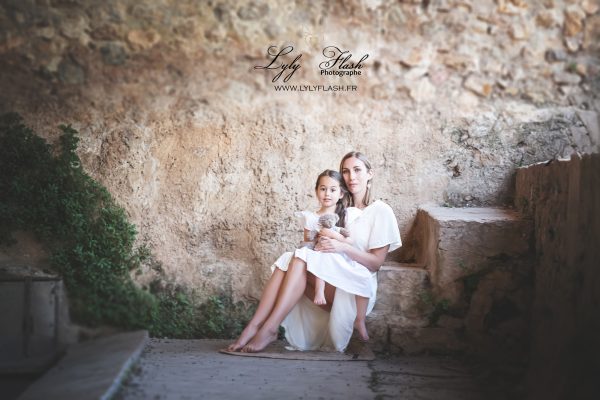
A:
(340, 208)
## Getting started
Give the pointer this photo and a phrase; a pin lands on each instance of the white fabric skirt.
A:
(334, 268)
(309, 327)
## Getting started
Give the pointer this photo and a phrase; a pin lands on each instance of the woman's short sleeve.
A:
(384, 228)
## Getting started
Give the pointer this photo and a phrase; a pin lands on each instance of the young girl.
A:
(330, 193)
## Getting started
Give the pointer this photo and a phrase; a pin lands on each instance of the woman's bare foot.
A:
(361, 328)
(247, 334)
(320, 299)
(260, 341)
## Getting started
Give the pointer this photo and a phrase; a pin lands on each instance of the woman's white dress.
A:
(308, 327)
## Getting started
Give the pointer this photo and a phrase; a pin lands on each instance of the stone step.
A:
(402, 317)
(90, 370)
(459, 246)
(400, 288)
(400, 304)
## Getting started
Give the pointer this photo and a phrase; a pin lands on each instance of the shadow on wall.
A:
(564, 199)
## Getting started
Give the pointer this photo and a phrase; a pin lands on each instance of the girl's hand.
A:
(332, 234)
(326, 232)
(328, 245)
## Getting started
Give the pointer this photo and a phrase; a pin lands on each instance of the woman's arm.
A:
(372, 259)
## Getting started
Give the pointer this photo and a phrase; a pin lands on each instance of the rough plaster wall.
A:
(564, 199)
(210, 161)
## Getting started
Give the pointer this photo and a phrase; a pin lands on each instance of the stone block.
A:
(35, 322)
(460, 245)
(496, 324)
(400, 288)
(11, 308)
(399, 300)
(386, 330)
(562, 197)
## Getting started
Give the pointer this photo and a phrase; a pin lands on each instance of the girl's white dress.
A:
(308, 327)
(338, 270)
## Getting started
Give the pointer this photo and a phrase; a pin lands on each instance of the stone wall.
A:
(210, 161)
(563, 196)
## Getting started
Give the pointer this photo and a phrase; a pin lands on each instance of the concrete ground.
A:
(129, 366)
(92, 369)
(193, 369)
(12, 385)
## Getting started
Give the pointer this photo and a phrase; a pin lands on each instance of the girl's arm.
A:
(306, 235)
(372, 259)
(332, 234)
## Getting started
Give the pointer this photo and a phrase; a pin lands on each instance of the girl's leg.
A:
(267, 301)
(309, 292)
(319, 292)
(361, 315)
(292, 289)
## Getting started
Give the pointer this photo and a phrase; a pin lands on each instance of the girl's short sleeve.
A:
(384, 228)
(308, 219)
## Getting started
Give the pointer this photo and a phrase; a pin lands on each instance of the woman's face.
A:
(356, 175)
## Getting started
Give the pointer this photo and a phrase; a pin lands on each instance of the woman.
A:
(307, 326)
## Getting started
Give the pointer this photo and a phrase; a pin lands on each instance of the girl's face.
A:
(328, 191)
(356, 175)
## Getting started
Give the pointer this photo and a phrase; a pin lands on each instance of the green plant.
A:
(221, 317)
(523, 203)
(175, 314)
(44, 190)
(471, 282)
(440, 308)
(437, 307)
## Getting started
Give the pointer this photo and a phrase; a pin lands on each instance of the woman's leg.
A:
(267, 301)
(361, 315)
(292, 289)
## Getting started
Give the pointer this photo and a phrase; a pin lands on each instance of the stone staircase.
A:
(469, 288)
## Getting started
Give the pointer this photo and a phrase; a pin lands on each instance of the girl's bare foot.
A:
(247, 334)
(361, 328)
(260, 341)
(320, 299)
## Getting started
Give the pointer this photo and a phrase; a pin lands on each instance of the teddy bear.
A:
(326, 221)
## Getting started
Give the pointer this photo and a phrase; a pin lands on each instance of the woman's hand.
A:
(328, 245)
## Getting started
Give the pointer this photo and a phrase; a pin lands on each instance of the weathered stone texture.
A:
(455, 243)
(563, 196)
(400, 306)
(400, 321)
(401, 286)
(210, 161)
(479, 262)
